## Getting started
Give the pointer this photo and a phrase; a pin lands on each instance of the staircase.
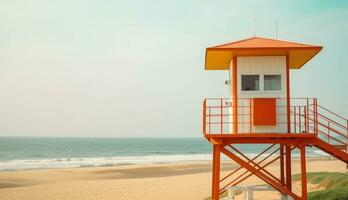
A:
(332, 133)
(332, 150)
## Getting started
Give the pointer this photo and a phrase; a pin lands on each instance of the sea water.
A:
(21, 153)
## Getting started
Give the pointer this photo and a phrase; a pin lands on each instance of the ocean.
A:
(22, 153)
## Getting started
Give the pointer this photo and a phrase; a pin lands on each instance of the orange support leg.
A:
(288, 148)
(216, 173)
(235, 96)
(303, 172)
(281, 152)
(288, 166)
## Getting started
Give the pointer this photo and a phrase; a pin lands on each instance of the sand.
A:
(189, 180)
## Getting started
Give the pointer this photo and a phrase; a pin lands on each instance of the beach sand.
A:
(188, 180)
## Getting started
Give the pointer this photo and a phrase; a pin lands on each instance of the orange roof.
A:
(219, 57)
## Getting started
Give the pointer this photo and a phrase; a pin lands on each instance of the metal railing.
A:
(332, 128)
(231, 116)
(228, 116)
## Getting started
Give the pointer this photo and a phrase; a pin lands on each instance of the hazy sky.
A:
(135, 68)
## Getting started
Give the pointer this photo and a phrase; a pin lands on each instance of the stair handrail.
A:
(332, 121)
(330, 136)
(330, 128)
(337, 115)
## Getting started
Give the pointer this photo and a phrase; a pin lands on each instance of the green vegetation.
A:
(329, 194)
(335, 185)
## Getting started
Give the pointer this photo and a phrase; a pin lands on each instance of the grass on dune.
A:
(326, 179)
(330, 194)
(335, 185)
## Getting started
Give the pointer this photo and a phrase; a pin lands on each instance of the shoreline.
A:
(174, 163)
(181, 180)
(67, 163)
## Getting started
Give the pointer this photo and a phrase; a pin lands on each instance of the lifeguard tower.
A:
(260, 110)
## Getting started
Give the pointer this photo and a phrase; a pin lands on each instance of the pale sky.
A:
(135, 68)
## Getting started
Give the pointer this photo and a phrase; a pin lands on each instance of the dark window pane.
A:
(250, 82)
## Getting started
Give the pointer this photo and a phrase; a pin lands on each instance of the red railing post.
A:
(299, 119)
(204, 116)
(305, 119)
(316, 111)
(347, 140)
(316, 115)
(328, 132)
(347, 128)
(209, 123)
(250, 126)
(288, 117)
(308, 121)
(221, 116)
(295, 119)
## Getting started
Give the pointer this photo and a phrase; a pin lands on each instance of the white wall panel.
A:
(262, 65)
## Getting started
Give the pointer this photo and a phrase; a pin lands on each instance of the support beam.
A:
(216, 173)
(256, 165)
(264, 166)
(235, 95)
(303, 172)
(281, 152)
(230, 174)
(288, 167)
(260, 174)
(288, 148)
(236, 170)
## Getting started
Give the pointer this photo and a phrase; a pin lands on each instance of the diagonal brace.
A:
(259, 174)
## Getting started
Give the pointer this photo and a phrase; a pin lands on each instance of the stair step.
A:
(339, 146)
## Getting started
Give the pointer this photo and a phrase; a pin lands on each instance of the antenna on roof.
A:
(254, 25)
(276, 30)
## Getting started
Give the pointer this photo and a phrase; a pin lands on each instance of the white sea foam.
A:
(319, 153)
(12, 165)
(93, 162)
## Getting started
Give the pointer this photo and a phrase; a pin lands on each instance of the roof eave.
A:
(262, 48)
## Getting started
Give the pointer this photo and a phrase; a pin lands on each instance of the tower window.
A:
(272, 82)
(250, 82)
